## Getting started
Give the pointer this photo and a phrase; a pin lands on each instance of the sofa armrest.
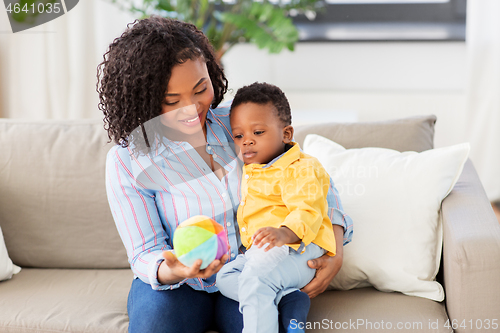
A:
(471, 255)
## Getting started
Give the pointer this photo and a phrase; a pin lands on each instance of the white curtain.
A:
(483, 91)
(49, 71)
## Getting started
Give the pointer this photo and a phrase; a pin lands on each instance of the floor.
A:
(496, 209)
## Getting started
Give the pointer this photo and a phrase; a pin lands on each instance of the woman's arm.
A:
(337, 215)
(135, 214)
(326, 266)
(138, 222)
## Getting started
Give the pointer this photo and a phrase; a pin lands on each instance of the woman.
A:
(160, 89)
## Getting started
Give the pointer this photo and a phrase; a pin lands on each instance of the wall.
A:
(331, 81)
(368, 81)
(49, 71)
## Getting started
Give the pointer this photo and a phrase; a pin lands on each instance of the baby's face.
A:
(258, 133)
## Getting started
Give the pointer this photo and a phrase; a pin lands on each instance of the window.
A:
(386, 20)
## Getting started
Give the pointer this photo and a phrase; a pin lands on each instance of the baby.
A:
(282, 215)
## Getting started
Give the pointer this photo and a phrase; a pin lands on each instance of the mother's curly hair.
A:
(133, 78)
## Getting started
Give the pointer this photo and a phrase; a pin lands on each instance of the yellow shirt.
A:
(289, 191)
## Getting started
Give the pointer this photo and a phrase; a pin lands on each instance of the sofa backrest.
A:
(54, 211)
(53, 206)
(407, 134)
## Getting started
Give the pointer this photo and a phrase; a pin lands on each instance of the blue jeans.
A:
(259, 280)
(184, 310)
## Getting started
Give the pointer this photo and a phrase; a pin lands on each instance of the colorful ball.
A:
(199, 237)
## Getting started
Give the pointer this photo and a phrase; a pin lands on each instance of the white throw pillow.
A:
(7, 268)
(394, 200)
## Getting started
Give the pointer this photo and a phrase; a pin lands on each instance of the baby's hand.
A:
(274, 236)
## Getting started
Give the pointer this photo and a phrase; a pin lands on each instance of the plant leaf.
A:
(265, 25)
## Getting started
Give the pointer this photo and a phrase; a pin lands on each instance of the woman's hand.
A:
(326, 267)
(172, 271)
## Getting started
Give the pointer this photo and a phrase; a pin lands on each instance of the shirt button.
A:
(228, 224)
(209, 148)
(233, 255)
(242, 203)
(247, 176)
(243, 229)
(224, 194)
(214, 155)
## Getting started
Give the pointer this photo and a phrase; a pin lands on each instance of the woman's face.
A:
(187, 100)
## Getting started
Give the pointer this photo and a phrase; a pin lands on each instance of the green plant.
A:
(227, 23)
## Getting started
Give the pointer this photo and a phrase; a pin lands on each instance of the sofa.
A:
(75, 276)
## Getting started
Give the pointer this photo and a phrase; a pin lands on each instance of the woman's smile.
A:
(193, 121)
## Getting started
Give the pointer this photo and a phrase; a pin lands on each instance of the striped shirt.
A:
(149, 195)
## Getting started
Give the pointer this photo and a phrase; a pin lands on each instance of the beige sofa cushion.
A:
(408, 134)
(55, 300)
(53, 206)
(50, 300)
(45, 227)
(368, 310)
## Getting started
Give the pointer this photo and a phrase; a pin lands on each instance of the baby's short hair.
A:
(263, 93)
